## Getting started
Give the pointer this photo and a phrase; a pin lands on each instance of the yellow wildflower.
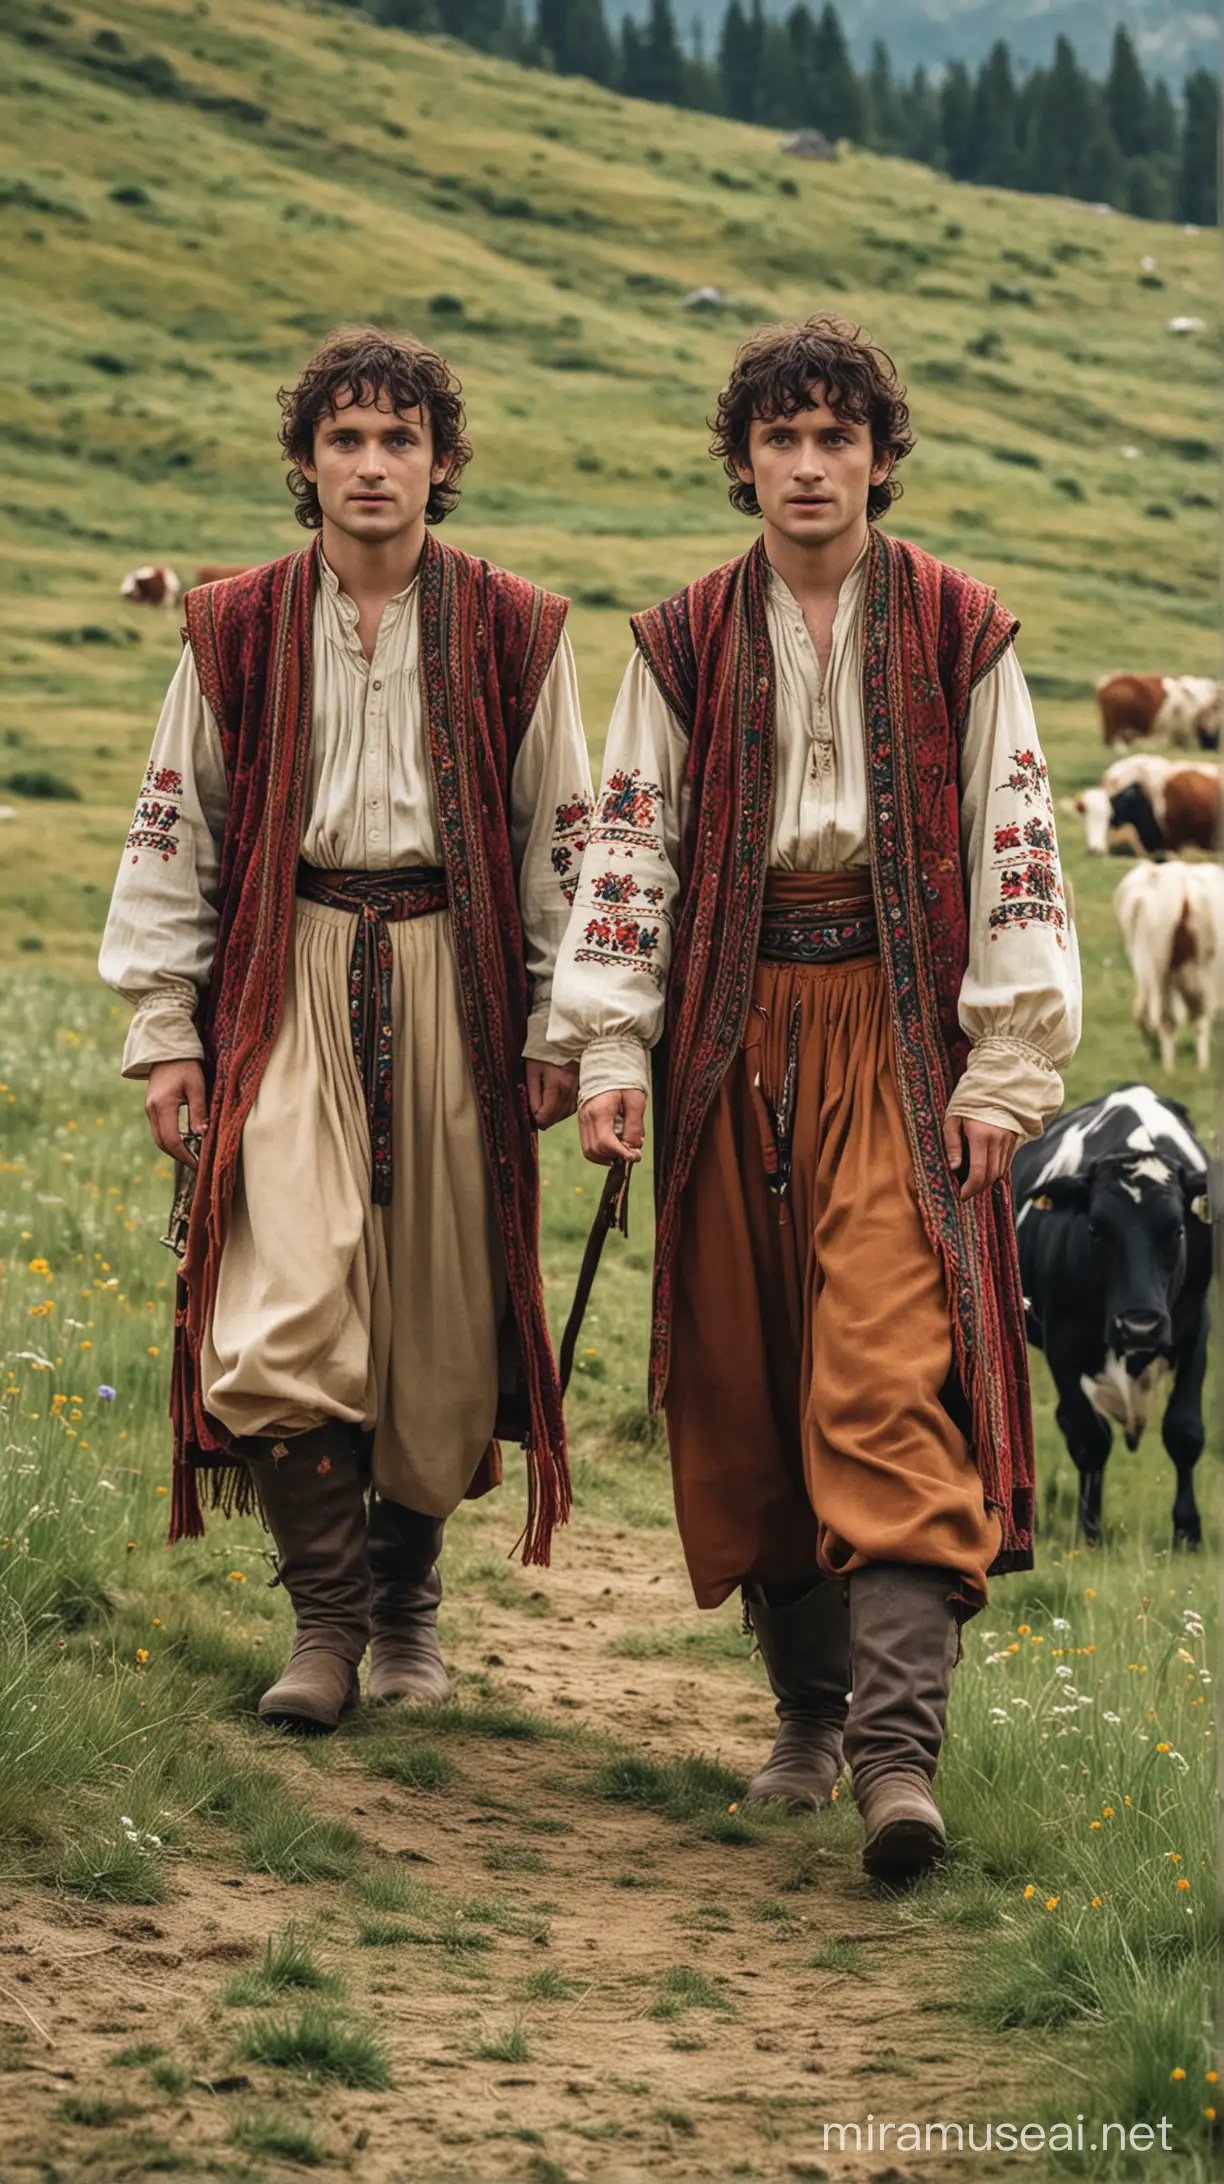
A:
(1183, 1884)
(1164, 1747)
(142, 1654)
(1023, 1629)
(153, 1350)
(1029, 1891)
(1096, 1903)
(1177, 2075)
(1052, 1902)
(236, 1577)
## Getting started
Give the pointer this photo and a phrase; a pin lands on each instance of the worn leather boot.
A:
(806, 1650)
(309, 1489)
(405, 1658)
(903, 1638)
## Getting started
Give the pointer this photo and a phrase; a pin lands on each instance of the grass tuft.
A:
(289, 1967)
(320, 2046)
(684, 1989)
(510, 2045)
(415, 1765)
(260, 2131)
(281, 1839)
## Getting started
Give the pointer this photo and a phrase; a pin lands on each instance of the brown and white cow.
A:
(155, 585)
(1172, 922)
(1153, 806)
(1185, 709)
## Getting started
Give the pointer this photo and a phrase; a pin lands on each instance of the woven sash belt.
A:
(817, 918)
(379, 899)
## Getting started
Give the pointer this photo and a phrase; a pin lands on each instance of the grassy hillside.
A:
(193, 192)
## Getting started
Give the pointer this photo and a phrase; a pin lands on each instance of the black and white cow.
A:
(1114, 1232)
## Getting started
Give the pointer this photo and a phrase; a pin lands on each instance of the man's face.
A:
(373, 467)
(812, 472)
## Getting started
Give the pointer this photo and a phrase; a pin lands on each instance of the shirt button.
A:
(376, 686)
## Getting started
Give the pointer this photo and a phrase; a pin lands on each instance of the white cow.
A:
(154, 585)
(1143, 770)
(1172, 922)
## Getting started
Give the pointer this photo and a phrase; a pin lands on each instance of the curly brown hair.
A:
(774, 374)
(364, 364)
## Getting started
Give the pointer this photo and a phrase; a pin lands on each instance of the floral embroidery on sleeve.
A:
(570, 832)
(1029, 888)
(621, 940)
(154, 822)
(628, 811)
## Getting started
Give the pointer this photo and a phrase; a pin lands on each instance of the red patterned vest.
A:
(929, 635)
(487, 640)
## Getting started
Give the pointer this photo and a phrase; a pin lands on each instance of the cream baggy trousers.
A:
(330, 1307)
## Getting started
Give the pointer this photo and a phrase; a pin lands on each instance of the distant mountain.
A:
(1172, 36)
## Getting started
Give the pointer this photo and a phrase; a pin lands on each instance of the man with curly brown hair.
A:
(337, 915)
(822, 884)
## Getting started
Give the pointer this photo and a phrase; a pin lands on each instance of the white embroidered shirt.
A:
(1020, 1000)
(369, 807)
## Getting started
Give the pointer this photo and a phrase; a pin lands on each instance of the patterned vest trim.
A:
(930, 634)
(487, 641)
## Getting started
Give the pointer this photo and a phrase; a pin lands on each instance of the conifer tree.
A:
(740, 49)
(956, 128)
(1127, 98)
(836, 102)
(572, 38)
(884, 122)
(995, 120)
(652, 63)
(1197, 178)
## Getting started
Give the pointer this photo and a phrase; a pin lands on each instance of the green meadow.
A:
(191, 194)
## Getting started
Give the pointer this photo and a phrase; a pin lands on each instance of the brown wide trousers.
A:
(811, 1398)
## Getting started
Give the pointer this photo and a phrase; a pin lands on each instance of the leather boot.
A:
(806, 1650)
(903, 1636)
(309, 1490)
(405, 1658)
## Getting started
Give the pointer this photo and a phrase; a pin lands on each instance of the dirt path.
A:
(682, 2029)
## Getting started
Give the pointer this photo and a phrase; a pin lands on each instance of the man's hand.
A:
(171, 1085)
(612, 1127)
(552, 1092)
(991, 1150)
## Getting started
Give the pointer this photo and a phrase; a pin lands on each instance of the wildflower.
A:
(592, 1353)
(1182, 1655)
(236, 1577)
(163, 1490)
(87, 1345)
(1096, 1903)
(153, 1350)
(1164, 1747)
(1112, 1717)
(105, 1394)
(1029, 1891)
(142, 1654)
(157, 1622)
(1210, 2114)
(1052, 1902)
(1177, 2075)
(1094, 1823)
(40, 1266)
(1063, 1671)
(1213, 2077)
(1183, 1884)
(1126, 1801)
(1090, 1593)
(1174, 1857)
(1060, 1623)
(733, 1808)
(1022, 1630)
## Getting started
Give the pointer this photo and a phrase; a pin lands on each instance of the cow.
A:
(213, 572)
(1171, 918)
(1154, 805)
(154, 585)
(1187, 709)
(1114, 1234)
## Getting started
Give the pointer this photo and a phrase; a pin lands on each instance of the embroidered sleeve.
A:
(551, 801)
(608, 995)
(160, 934)
(1020, 1000)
